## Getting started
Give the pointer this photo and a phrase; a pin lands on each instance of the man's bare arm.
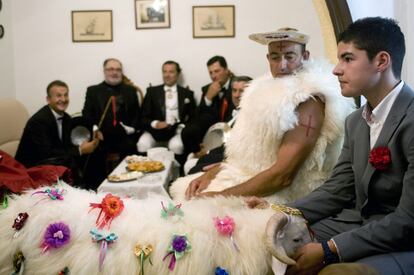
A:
(202, 182)
(296, 146)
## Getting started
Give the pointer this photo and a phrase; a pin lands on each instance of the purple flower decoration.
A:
(179, 243)
(221, 271)
(178, 247)
(56, 236)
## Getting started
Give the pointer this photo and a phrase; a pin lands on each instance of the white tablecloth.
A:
(140, 188)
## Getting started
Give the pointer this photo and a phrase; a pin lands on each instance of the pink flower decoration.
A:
(224, 226)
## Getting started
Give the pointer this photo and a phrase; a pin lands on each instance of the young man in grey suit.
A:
(365, 211)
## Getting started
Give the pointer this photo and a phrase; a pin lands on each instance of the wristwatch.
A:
(328, 256)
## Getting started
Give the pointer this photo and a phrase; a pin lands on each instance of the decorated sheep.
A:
(64, 229)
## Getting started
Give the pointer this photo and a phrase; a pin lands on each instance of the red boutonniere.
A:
(380, 158)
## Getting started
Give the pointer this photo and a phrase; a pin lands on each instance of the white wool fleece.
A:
(140, 222)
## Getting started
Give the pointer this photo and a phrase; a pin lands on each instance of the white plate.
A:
(122, 177)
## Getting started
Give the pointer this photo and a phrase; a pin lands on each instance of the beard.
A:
(113, 81)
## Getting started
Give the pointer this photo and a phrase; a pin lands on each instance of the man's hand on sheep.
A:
(199, 184)
(208, 194)
(309, 260)
(256, 202)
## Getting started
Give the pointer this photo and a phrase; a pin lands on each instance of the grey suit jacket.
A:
(381, 201)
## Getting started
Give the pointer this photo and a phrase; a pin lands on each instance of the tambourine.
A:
(216, 135)
(80, 131)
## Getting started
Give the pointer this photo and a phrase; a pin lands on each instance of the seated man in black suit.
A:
(113, 106)
(215, 103)
(165, 111)
(46, 137)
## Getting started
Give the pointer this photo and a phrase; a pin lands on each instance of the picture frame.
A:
(92, 26)
(213, 21)
(152, 14)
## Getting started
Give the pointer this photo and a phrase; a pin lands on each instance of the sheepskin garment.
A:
(268, 111)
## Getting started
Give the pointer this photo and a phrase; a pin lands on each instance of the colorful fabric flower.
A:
(172, 211)
(56, 236)
(111, 206)
(19, 222)
(221, 271)
(18, 263)
(104, 242)
(380, 158)
(225, 226)
(53, 194)
(178, 247)
(143, 253)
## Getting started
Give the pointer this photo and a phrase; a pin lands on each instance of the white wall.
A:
(404, 14)
(44, 50)
(365, 8)
(7, 80)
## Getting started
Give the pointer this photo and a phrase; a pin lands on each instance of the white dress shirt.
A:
(171, 106)
(375, 118)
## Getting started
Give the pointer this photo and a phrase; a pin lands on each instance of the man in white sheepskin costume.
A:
(289, 131)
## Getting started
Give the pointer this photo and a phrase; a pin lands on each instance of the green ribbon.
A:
(143, 253)
(5, 202)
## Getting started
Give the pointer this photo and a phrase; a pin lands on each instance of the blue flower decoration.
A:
(221, 271)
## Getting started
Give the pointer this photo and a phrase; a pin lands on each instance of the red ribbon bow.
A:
(114, 122)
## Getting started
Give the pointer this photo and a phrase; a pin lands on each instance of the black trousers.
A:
(193, 133)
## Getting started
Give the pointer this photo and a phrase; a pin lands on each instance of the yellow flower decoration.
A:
(143, 252)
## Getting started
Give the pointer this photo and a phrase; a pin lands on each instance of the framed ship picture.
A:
(92, 26)
(213, 21)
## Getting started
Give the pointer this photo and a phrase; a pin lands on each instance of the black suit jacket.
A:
(127, 111)
(40, 141)
(214, 111)
(153, 108)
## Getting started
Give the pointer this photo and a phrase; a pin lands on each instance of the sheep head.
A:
(285, 234)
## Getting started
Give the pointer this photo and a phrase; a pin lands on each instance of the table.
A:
(140, 188)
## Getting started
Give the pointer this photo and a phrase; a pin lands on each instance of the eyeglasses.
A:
(118, 70)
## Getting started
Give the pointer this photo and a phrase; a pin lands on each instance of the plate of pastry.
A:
(127, 176)
(148, 166)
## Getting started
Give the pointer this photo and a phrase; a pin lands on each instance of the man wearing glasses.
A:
(113, 107)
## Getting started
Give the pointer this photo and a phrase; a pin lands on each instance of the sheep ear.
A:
(273, 227)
